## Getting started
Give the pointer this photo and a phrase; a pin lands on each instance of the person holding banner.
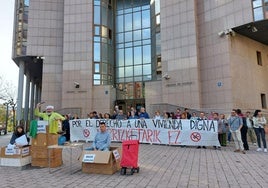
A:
(50, 116)
(143, 114)
(102, 140)
(235, 123)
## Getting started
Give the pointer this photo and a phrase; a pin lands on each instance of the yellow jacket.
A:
(52, 119)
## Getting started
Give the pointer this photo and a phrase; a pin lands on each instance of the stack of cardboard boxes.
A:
(39, 150)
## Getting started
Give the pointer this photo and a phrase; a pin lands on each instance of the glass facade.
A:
(22, 27)
(127, 48)
(103, 66)
(133, 41)
(260, 9)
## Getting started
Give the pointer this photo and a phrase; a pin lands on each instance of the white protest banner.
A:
(172, 132)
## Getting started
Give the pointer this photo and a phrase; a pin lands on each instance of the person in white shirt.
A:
(259, 123)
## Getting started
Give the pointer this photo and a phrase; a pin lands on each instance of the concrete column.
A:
(26, 100)
(20, 92)
(32, 104)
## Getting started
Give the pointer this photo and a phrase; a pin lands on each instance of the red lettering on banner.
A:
(156, 138)
(170, 136)
(114, 134)
(147, 135)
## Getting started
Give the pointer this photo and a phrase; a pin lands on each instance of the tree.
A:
(7, 90)
(7, 98)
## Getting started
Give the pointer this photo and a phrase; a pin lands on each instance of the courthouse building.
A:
(85, 55)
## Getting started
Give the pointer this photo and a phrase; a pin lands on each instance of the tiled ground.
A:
(160, 166)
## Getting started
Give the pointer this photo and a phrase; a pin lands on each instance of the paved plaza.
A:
(160, 166)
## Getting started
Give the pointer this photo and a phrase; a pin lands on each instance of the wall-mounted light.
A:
(76, 85)
(166, 76)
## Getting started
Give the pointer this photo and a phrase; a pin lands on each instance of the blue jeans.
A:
(229, 136)
(260, 134)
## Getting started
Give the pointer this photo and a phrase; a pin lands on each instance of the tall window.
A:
(260, 9)
(259, 59)
(263, 101)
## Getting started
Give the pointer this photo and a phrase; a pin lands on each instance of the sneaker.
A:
(255, 144)
(265, 150)
(259, 149)
(243, 151)
(237, 150)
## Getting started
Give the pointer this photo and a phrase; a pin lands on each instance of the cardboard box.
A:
(100, 162)
(45, 139)
(42, 152)
(54, 162)
(16, 152)
(40, 156)
(16, 162)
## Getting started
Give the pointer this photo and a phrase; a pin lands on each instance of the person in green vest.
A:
(49, 115)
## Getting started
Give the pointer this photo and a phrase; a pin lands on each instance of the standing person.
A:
(157, 115)
(259, 123)
(200, 118)
(19, 131)
(107, 116)
(66, 127)
(121, 115)
(178, 113)
(143, 114)
(50, 116)
(235, 123)
(133, 115)
(188, 115)
(244, 129)
(222, 129)
(194, 116)
(251, 133)
(167, 115)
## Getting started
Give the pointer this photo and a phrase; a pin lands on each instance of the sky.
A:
(9, 71)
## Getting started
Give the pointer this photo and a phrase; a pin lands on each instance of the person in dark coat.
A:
(19, 131)
(66, 127)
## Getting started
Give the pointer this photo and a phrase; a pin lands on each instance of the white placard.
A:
(10, 151)
(89, 158)
(41, 126)
(116, 154)
(22, 140)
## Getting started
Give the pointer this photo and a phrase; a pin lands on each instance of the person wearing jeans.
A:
(235, 123)
(259, 123)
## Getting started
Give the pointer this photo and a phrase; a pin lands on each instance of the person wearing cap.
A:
(50, 116)
(102, 140)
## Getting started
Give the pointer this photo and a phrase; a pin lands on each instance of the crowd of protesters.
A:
(237, 127)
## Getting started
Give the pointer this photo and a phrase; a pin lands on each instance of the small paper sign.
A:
(116, 154)
(25, 151)
(9, 151)
(41, 126)
(89, 158)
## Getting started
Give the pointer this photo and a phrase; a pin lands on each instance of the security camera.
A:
(166, 76)
(221, 33)
(76, 84)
